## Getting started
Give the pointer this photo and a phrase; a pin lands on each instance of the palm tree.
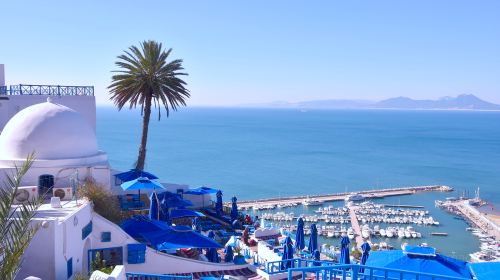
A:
(144, 79)
(16, 230)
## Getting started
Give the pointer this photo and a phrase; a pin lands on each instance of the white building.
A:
(60, 131)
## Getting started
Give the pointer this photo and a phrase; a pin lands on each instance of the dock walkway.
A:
(355, 226)
(478, 218)
(342, 196)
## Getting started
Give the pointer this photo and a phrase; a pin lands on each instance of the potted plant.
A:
(238, 257)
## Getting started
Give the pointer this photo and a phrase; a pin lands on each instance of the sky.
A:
(241, 52)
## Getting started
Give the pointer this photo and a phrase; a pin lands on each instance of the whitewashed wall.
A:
(11, 104)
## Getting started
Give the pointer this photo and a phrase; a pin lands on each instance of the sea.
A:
(260, 153)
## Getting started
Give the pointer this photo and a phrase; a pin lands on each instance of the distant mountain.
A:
(461, 102)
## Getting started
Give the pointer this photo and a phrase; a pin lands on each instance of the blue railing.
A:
(275, 267)
(360, 272)
(146, 276)
(49, 90)
(3, 90)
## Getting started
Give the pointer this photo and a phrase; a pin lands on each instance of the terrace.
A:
(57, 90)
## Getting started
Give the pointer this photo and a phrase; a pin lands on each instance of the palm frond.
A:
(16, 228)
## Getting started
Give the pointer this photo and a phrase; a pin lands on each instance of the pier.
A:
(370, 194)
(355, 226)
(477, 218)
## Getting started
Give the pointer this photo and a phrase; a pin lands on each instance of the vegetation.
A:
(146, 79)
(105, 203)
(16, 230)
(99, 264)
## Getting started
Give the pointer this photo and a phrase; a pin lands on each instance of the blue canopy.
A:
(287, 253)
(201, 191)
(141, 183)
(313, 239)
(344, 250)
(212, 254)
(365, 247)
(157, 212)
(300, 242)
(228, 254)
(218, 203)
(438, 264)
(234, 209)
(485, 270)
(178, 237)
(133, 174)
(141, 224)
(316, 257)
(184, 213)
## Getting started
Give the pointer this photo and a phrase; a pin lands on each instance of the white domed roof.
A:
(52, 131)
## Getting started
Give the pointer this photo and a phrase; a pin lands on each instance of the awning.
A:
(137, 225)
(438, 264)
(179, 237)
(184, 213)
(485, 270)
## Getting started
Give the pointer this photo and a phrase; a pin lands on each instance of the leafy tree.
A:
(145, 78)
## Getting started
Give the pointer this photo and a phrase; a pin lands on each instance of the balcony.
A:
(57, 90)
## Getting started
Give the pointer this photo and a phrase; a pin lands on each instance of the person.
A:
(245, 236)
(256, 224)
(248, 220)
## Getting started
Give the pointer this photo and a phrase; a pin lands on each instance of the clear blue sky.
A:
(260, 51)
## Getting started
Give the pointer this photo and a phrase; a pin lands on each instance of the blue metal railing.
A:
(146, 276)
(275, 267)
(49, 90)
(360, 272)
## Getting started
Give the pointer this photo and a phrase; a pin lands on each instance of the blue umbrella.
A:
(300, 242)
(234, 209)
(196, 225)
(287, 253)
(141, 183)
(212, 254)
(154, 213)
(201, 190)
(218, 203)
(179, 237)
(133, 174)
(313, 239)
(344, 250)
(317, 257)
(228, 254)
(365, 247)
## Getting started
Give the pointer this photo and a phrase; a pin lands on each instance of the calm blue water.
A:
(256, 153)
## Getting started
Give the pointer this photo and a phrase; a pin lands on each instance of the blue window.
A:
(136, 253)
(69, 267)
(86, 230)
(105, 236)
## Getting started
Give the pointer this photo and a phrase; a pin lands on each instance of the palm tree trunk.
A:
(141, 159)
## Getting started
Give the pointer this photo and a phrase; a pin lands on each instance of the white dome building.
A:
(62, 140)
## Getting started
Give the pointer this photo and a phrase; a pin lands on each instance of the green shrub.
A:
(105, 203)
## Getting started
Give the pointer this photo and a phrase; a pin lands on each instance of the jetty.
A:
(355, 226)
(368, 194)
(479, 219)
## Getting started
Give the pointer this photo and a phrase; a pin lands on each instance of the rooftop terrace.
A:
(23, 89)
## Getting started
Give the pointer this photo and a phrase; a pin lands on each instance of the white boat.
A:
(354, 197)
(311, 202)
(382, 232)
